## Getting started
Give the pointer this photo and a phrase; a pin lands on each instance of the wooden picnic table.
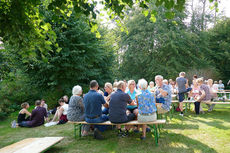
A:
(31, 145)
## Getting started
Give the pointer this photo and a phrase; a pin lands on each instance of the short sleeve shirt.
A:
(117, 106)
(208, 95)
(93, 103)
(132, 95)
(146, 102)
(181, 82)
(167, 99)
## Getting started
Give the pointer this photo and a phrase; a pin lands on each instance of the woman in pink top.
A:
(195, 92)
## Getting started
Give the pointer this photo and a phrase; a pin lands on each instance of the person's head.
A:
(151, 84)
(170, 81)
(165, 81)
(215, 82)
(66, 98)
(94, 85)
(131, 85)
(77, 90)
(121, 85)
(61, 101)
(159, 80)
(37, 103)
(220, 81)
(194, 77)
(43, 102)
(199, 81)
(210, 82)
(195, 84)
(108, 87)
(25, 105)
(143, 84)
(182, 74)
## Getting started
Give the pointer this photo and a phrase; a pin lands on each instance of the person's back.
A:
(37, 116)
(206, 89)
(76, 108)
(117, 106)
(181, 82)
(93, 103)
(146, 103)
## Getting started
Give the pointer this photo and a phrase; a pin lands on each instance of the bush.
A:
(6, 108)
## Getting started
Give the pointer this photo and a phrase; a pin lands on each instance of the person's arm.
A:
(27, 112)
(202, 96)
(163, 92)
(186, 85)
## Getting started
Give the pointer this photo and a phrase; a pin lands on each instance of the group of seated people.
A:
(40, 113)
(120, 103)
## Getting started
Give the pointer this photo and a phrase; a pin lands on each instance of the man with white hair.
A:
(163, 95)
(182, 85)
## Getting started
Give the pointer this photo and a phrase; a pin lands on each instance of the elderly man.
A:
(182, 85)
(93, 102)
(163, 95)
(117, 107)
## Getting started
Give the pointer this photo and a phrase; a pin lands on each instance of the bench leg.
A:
(75, 130)
(80, 130)
(186, 107)
(156, 136)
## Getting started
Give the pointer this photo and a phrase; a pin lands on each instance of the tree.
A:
(219, 45)
(27, 30)
(165, 47)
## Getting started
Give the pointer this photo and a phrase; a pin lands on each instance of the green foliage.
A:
(27, 29)
(83, 57)
(17, 88)
(164, 47)
(219, 45)
(6, 108)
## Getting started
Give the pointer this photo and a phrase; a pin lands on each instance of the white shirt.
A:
(65, 107)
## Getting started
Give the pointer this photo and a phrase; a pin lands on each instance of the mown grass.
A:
(206, 133)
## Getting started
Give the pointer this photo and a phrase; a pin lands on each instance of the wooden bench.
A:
(32, 145)
(152, 125)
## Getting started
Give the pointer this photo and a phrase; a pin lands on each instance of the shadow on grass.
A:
(214, 123)
(181, 126)
(180, 143)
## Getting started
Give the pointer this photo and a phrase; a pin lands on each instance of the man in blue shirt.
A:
(93, 102)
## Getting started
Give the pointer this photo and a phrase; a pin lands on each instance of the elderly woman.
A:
(132, 108)
(108, 89)
(76, 108)
(146, 106)
(204, 95)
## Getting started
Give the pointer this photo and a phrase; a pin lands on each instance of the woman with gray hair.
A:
(76, 108)
(146, 106)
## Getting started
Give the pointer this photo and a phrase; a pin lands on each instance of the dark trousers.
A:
(197, 107)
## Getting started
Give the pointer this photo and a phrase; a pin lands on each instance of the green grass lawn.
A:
(206, 133)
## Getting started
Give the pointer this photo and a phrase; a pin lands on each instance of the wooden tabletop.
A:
(129, 123)
(31, 145)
